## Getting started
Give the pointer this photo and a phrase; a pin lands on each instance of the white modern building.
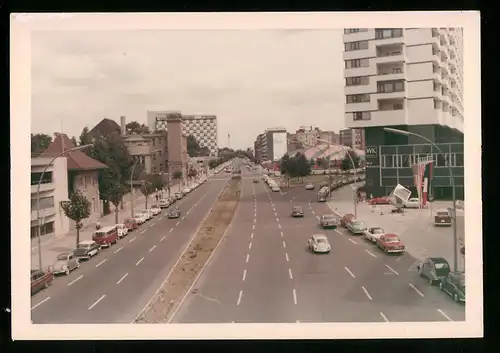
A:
(271, 145)
(53, 190)
(410, 79)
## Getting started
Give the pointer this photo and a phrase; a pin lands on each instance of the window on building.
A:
(47, 228)
(354, 30)
(154, 170)
(357, 81)
(459, 160)
(391, 86)
(437, 104)
(45, 203)
(355, 63)
(356, 45)
(35, 178)
(388, 33)
(361, 116)
(358, 98)
(387, 161)
(154, 157)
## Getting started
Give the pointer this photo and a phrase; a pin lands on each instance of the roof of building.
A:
(77, 160)
(105, 126)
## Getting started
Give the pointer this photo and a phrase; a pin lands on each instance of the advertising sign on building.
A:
(371, 156)
(279, 145)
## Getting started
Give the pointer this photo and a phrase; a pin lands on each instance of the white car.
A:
(156, 210)
(318, 243)
(140, 218)
(122, 230)
(164, 203)
(309, 186)
(373, 234)
(148, 214)
(414, 202)
(186, 191)
(275, 188)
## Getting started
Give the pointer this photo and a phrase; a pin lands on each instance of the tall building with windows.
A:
(271, 145)
(409, 79)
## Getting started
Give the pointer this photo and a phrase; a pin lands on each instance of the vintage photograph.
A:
(250, 176)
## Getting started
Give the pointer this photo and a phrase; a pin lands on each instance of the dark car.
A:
(87, 249)
(40, 279)
(175, 213)
(434, 269)
(297, 211)
(454, 286)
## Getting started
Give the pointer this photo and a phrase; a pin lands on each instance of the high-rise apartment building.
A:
(409, 79)
(354, 138)
(271, 145)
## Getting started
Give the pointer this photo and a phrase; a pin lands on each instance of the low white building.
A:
(53, 190)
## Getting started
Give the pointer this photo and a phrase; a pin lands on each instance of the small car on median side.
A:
(328, 221)
(318, 243)
(297, 211)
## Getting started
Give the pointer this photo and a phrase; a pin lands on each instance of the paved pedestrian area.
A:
(415, 227)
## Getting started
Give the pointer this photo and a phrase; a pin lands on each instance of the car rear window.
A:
(442, 213)
(320, 241)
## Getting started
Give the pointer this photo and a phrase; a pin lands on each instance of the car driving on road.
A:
(434, 269)
(328, 221)
(372, 234)
(390, 243)
(318, 243)
(86, 249)
(309, 186)
(442, 217)
(297, 211)
(413, 202)
(454, 285)
(174, 213)
(356, 227)
(65, 263)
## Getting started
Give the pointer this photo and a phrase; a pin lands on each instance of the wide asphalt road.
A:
(263, 273)
(114, 286)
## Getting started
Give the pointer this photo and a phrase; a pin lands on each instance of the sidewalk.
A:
(415, 227)
(53, 246)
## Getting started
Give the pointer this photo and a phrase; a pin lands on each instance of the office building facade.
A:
(271, 145)
(409, 79)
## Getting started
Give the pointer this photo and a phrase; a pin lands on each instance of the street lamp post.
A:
(40, 224)
(353, 168)
(132, 188)
(454, 208)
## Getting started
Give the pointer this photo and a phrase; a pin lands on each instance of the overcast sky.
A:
(251, 80)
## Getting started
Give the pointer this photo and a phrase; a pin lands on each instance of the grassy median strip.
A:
(195, 256)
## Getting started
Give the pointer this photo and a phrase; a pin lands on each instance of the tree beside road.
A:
(77, 209)
(295, 167)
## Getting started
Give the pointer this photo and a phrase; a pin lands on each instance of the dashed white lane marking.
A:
(284, 244)
(244, 275)
(416, 290)
(250, 246)
(255, 214)
(131, 240)
(443, 313)
(349, 271)
(177, 224)
(338, 231)
(138, 262)
(254, 220)
(317, 217)
(76, 279)
(162, 238)
(279, 226)
(277, 219)
(171, 230)
(154, 246)
(144, 231)
(183, 218)
(100, 263)
(366, 292)
(274, 210)
(40, 303)
(281, 233)
(384, 317)
(392, 270)
(352, 241)
(290, 273)
(313, 212)
(251, 236)
(121, 279)
(369, 252)
(276, 215)
(239, 298)
(97, 301)
(117, 250)
(248, 256)
(294, 296)
(253, 227)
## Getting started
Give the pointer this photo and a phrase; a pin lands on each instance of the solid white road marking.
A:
(154, 246)
(384, 317)
(76, 279)
(369, 252)
(248, 256)
(177, 224)
(131, 240)
(40, 303)
(366, 292)
(244, 275)
(97, 301)
(100, 263)
(294, 296)
(290, 273)
(352, 241)
(416, 290)
(171, 230)
(250, 246)
(392, 270)
(284, 244)
(443, 313)
(138, 262)
(349, 271)
(286, 256)
(338, 231)
(239, 298)
(118, 249)
(121, 279)
(162, 238)
(144, 231)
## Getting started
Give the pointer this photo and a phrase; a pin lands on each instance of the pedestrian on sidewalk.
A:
(97, 225)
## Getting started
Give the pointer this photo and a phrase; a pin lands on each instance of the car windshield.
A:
(297, 208)
(329, 218)
(442, 214)
(62, 257)
(440, 265)
(392, 240)
(377, 231)
(83, 246)
(358, 224)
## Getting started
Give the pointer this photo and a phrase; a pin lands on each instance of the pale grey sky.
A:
(251, 80)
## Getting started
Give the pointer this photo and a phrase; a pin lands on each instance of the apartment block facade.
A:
(271, 145)
(409, 79)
